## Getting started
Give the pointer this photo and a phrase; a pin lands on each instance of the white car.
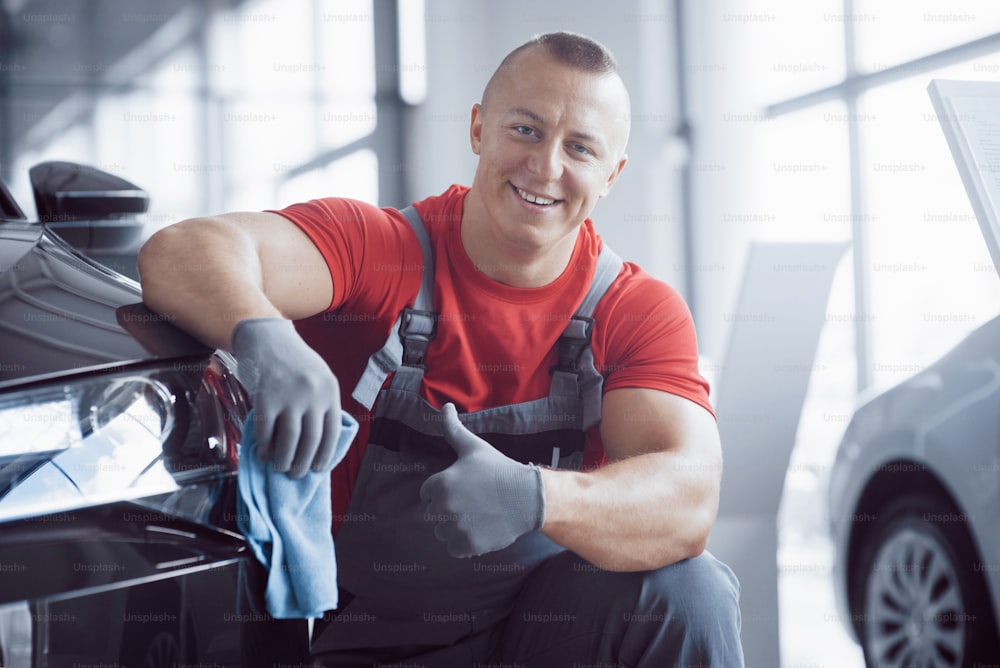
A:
(915, 514)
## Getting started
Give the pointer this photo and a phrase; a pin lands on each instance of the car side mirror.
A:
(92, 210)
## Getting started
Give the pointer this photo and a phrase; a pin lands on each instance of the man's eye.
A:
(580, 148)
(524, 130)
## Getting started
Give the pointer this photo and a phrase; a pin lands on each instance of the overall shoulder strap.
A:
(416, 325)
(609, 265)
(574, 373)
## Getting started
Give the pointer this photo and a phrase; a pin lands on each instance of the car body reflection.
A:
(119, 440)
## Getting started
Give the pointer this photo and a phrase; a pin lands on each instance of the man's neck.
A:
(506, 261)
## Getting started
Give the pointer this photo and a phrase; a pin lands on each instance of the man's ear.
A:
(615, 173)
(476, 128)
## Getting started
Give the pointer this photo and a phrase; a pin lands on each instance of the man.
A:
(572, 528)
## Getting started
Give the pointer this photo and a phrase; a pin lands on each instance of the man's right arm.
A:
(236, 282)
(210, 273)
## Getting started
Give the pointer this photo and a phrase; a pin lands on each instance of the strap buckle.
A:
(572, 342)
(416, 329)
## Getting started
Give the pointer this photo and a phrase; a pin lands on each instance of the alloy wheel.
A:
(914, 609)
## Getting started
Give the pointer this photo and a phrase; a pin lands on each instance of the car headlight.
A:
(107, 438)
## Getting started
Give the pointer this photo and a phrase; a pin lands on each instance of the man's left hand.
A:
(485, 500)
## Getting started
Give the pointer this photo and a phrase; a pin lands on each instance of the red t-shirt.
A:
(495, 343)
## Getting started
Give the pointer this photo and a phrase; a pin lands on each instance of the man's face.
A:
(551, 142)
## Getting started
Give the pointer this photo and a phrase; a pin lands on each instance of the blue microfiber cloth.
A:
(287, 524)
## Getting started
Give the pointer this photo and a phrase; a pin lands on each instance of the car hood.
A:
(970, 365)
(61, 313)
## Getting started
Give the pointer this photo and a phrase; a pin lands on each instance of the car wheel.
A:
(163, 651)
(925, 604)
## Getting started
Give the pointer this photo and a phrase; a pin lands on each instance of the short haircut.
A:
(570, 48)
(573, 49)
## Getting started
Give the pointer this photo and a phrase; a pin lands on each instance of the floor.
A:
(811, 633)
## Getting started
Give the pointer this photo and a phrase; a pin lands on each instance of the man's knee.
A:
(683, 614)
(702, 585)
(697, 580)
(700, 594)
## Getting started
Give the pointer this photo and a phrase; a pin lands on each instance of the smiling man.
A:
(538, 466)
(551, 139)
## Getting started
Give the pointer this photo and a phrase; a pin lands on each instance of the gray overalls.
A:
(406, 600)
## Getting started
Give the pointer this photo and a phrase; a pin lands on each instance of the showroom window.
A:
(846, 147)
(922, 275)
(833, 138)
(207, 119)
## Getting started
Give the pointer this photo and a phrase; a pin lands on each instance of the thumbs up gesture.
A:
(485, 500)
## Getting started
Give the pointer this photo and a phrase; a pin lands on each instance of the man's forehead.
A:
(584, 116)
(560, 86)
(529, 86)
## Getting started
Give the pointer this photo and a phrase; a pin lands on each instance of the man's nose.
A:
(546, 160)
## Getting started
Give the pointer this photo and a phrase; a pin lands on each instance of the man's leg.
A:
(570, 612)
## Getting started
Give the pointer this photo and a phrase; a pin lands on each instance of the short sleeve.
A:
(648, 338)
(372, 254)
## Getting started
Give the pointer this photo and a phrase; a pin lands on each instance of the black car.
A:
(119, 439)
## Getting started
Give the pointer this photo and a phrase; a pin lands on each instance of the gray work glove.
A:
(485, 500)
(296, 398)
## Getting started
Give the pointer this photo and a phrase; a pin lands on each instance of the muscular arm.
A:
(210, 273)
(655, 502)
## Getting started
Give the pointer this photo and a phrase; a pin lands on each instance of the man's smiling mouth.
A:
(535, 199)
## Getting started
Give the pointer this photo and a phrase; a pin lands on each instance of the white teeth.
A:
(534, 199)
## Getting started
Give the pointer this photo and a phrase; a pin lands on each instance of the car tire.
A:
(923, 600)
